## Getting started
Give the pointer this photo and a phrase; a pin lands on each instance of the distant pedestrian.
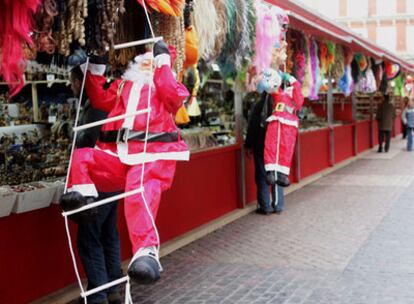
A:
(408, 120)
(404, 124)
(385, 117)
(255, 140)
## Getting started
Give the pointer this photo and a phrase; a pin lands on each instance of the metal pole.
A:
(241, 165)
(354, 120)
(330, 121)
(371, 115)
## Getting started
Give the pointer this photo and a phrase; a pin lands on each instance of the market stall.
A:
(337, 123)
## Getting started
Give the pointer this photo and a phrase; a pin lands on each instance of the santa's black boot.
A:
(282, 180)
(144, 268)
(271, 177)
(74, 200)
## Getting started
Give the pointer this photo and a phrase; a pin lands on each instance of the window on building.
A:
(410, 39)
(362, 31)
(357, 8)
(387, 37)
(387, 7)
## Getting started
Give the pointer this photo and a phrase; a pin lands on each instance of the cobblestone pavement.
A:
(348, 238)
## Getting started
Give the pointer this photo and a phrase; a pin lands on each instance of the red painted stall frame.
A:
(34, 255)
(343, 142)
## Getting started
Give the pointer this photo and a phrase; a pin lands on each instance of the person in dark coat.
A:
(97, 239)
(385, 117)
(254, 144)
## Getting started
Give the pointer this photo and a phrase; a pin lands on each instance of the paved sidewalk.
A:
(348, 238)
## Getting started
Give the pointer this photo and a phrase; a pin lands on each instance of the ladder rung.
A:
(137, 42)
(104, 201)
(112, 119)
(103, 287)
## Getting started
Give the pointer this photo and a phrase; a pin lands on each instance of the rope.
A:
(76, 124)
(128, 298)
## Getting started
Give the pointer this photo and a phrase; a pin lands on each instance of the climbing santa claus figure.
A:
(287, 99)
(115, 163)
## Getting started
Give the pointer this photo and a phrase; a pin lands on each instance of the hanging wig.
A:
(316, 76)
(338, 67)
(299, 55)
(267, 35)
(168, 7)
(323, 56)
(16, 21)
(308, 78)
(290, 53)
(220, 28)
(206, 24)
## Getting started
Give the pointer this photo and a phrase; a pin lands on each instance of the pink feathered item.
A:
(267, 35)
(16, 20)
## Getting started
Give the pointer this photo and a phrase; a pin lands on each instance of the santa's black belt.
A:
(124, 135)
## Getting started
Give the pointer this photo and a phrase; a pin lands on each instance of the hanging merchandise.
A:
(190, 64)
(378, 70)
(172, 30)
(338, 67)
(290, 53)
(346, 83)
(367, 83)
(168, 7)
(392, 70)
(44, 19)
(16, 25)
(267, 36)
(220, 28)
(72, 25)
(398, 83)
(362, 62)
(308, 77)
(299, 55)
(206, 22)
(316, 76)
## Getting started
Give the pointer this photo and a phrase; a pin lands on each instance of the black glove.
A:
(74, 200)
(96, 59)
(160, 48)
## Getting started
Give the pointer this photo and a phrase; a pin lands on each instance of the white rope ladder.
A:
(85, 293)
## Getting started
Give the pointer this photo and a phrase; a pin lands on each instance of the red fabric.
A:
(167, 97)
(280, 136)
(108, 174)
(16, 17)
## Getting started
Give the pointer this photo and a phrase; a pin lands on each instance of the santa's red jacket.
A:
(167, 97)
(283, 128)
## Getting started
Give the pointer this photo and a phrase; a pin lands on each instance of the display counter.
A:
(204, 189)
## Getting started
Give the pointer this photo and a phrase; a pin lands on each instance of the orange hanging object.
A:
(167, 7)
(191, 47)
(182, 118)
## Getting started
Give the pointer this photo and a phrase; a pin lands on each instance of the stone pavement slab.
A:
(347, 238)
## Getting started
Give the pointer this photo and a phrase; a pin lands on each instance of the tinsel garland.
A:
(331, 54)
(323, 55)
(346, 82)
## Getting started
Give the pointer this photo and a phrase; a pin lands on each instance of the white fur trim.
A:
(85, 190)
(284, 121)
(133, 101)
(95, 69)
(162, 59)
(278, 168)
(139, 158)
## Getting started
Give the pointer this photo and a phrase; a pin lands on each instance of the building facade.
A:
(389, 23)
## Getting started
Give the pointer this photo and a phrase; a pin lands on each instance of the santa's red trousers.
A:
(108, 174)
(279, 146)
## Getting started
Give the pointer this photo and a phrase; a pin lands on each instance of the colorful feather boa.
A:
(168, 7)
(206, 23)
